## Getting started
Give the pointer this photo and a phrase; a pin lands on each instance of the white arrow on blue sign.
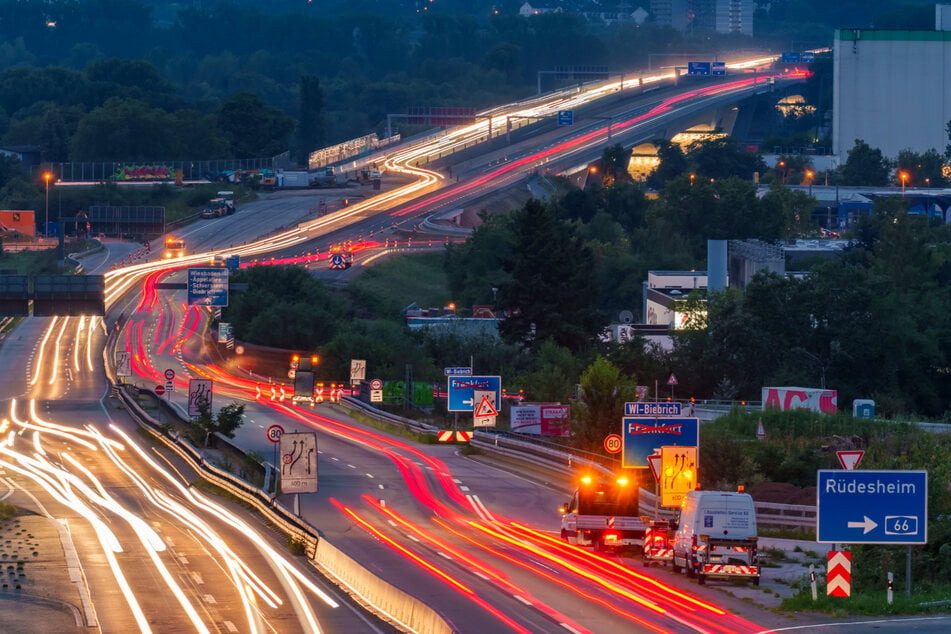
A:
(642, 435)
(872, 507)
(461, 388)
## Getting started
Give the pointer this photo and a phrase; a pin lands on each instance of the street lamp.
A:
(46, 228)
(904, 177)
(809, 175)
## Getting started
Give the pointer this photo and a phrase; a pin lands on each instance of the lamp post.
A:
(904, 177)
(809, 175)
(46, 227)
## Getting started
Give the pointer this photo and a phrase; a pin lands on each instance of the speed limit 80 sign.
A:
(274, 433)
(613, 443)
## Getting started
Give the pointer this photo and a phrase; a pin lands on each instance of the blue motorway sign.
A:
(233, 262)
(790, 57)
(808, 57)
(643, 435)
(872, 507)
(461, 389)
(566, 117)
(698, 68)
(652, 408)
(207, 286)
(718, 68)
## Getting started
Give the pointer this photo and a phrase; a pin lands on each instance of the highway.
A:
(145, 550)
(471, 540)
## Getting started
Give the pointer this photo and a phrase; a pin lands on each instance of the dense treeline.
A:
(871, 322)
(174, 80)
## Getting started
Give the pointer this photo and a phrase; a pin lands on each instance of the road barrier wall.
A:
(386, 598)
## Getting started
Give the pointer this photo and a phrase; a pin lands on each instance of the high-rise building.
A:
(699, 16)
(892, 89)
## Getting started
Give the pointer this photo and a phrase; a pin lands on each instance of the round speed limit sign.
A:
(612, 443)
(274, 433)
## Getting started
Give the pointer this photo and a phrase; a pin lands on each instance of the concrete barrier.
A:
(389, 600)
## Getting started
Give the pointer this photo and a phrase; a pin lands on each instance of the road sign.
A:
(839, 573)
(613, 443)
(207, 286)
(169, 374)
(655, 409)
(358, 370)
(376, 396)
(376, 384)
(299, 462)
(460, 389)
(654, 460)
(199, 396)
(872, 507)
(643, 435)
(169, 386)
(274, 433)
(484, 414)
(790, 57)
(698, 68)
(850, 459)
(123, 363)
(678, 474)
(485, 406)
(460, 371)
(672, 380)
(159, 389)
(718, 69)
(233, 262)
(566, 117)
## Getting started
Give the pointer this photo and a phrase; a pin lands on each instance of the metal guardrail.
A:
(286, 521)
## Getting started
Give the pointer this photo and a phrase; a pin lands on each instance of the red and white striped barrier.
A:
(729, 569)
(839, 574)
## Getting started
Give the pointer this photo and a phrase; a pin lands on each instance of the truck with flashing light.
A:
(174, 248)
(604, 514)
(716, 537)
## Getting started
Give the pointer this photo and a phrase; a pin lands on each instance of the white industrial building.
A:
(892, 89)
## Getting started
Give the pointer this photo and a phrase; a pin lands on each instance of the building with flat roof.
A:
(892, 88)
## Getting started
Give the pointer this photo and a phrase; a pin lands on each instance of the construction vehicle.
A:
(604, 514)
(323, 177)
(716, 537)
(228, 197)
(341, 258)
(174, 248)
(658, 542)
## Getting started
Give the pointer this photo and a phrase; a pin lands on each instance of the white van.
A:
(716, 536)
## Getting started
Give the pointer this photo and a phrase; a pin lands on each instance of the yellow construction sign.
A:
(678, 474)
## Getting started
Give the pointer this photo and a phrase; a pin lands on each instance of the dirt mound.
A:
(783, 493)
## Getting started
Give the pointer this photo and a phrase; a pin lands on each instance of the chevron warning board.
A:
(839, 574)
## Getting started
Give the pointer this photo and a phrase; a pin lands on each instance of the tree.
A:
(122, 129)
(614, 162)
(721, 157)
(310, 130)
(604, 390)
(550, 295)
(225, 423)
(865, 166)
(252, 128)
(673, 163)
(923, 169)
